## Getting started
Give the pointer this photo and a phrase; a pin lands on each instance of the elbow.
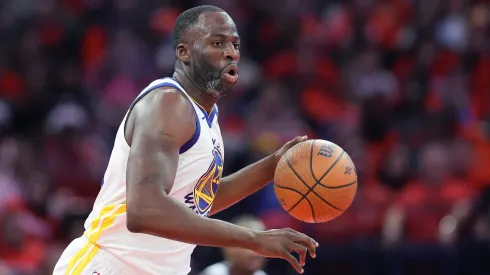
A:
(134, 221)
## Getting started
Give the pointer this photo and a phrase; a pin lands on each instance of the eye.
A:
(218, 43)
(236, 45)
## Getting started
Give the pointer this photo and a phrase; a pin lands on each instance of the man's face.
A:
(215, 53)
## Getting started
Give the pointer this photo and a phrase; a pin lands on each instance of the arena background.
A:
(402, 85)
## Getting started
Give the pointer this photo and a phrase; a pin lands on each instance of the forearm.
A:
(243, 183)
(168, 218)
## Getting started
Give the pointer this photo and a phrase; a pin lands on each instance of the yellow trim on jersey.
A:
(207, 112)
(106, 219)
(93, 249)
(200, 105)
(75, 259)
(204, 196)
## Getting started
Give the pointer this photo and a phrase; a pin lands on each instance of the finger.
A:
(300, 139)
(301, 250)
(296, 140)
(310, 243)
(293, 261)
(312, 247)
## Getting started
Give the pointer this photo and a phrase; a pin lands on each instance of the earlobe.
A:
(182, 53)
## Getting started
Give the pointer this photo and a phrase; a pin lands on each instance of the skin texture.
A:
(161, 122)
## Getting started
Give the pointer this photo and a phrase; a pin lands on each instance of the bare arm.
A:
(249, 180)
(243, 183)
(161, 123)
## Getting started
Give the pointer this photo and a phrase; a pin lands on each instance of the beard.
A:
(208, 78)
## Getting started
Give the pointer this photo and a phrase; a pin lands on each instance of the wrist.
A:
(273, 159)
(251, 240)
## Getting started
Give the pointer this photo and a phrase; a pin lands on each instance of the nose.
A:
(231, 53)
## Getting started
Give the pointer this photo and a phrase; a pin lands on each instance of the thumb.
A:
(297, 140)
(301, 139)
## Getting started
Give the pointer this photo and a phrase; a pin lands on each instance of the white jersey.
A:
(196, 183)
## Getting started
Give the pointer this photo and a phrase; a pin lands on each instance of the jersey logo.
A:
(207, 186)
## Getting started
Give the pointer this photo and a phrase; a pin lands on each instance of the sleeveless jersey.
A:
(198, 175)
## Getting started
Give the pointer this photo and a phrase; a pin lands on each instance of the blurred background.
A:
(402, 85)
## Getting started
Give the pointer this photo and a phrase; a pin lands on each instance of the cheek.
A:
(212, 55)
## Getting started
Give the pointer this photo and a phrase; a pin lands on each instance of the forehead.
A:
(216, 23)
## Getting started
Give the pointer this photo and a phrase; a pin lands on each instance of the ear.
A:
(182, 53)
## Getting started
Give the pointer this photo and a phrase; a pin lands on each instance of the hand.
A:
(279, 153)
(279, 243)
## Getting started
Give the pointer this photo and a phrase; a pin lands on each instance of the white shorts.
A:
(84, 258)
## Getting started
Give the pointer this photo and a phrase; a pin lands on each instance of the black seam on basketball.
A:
(288, 188)
(300, 179)
(299, 201)
(325, 201)
(337, 187)
(296, 174)
(331, 167)
(312, 209)
(311, 160)
(317, 182)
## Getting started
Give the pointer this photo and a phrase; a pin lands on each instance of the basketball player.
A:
(161, 183)
(239, 260)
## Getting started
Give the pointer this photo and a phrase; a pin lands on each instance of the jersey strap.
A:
(168, 82)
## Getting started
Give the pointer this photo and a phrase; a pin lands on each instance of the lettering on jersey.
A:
(201, 199)
(189, 200)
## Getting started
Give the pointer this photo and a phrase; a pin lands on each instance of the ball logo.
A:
(326, 151)
(207, 186)
(348, 170)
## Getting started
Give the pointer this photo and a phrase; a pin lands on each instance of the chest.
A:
(200, 171)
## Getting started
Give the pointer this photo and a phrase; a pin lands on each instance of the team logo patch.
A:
(207, 186)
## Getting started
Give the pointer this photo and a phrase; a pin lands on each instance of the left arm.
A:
(249, 180)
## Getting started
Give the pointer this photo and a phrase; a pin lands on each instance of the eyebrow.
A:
(225, 36)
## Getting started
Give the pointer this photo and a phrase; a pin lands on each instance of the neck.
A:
(235, 270)
(193, 89)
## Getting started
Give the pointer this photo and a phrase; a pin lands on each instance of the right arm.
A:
(161, 123)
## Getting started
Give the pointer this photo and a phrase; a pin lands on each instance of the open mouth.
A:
(231, 73)
(232, 70)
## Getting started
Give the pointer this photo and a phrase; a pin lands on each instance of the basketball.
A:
(315, 181)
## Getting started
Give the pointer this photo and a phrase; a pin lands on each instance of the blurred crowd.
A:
(402, 85)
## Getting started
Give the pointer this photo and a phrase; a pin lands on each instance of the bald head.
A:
(189, 19)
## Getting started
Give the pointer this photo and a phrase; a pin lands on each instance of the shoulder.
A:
(166, 109)
(216, 269)
(164, 99)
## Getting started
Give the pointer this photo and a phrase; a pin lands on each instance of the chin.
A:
(219, 93)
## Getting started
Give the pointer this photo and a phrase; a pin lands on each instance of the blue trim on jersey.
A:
(188, 145)
(208, 117)
(191, 142)
(165, 84)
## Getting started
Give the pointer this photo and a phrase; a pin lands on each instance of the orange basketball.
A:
(315, 181)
